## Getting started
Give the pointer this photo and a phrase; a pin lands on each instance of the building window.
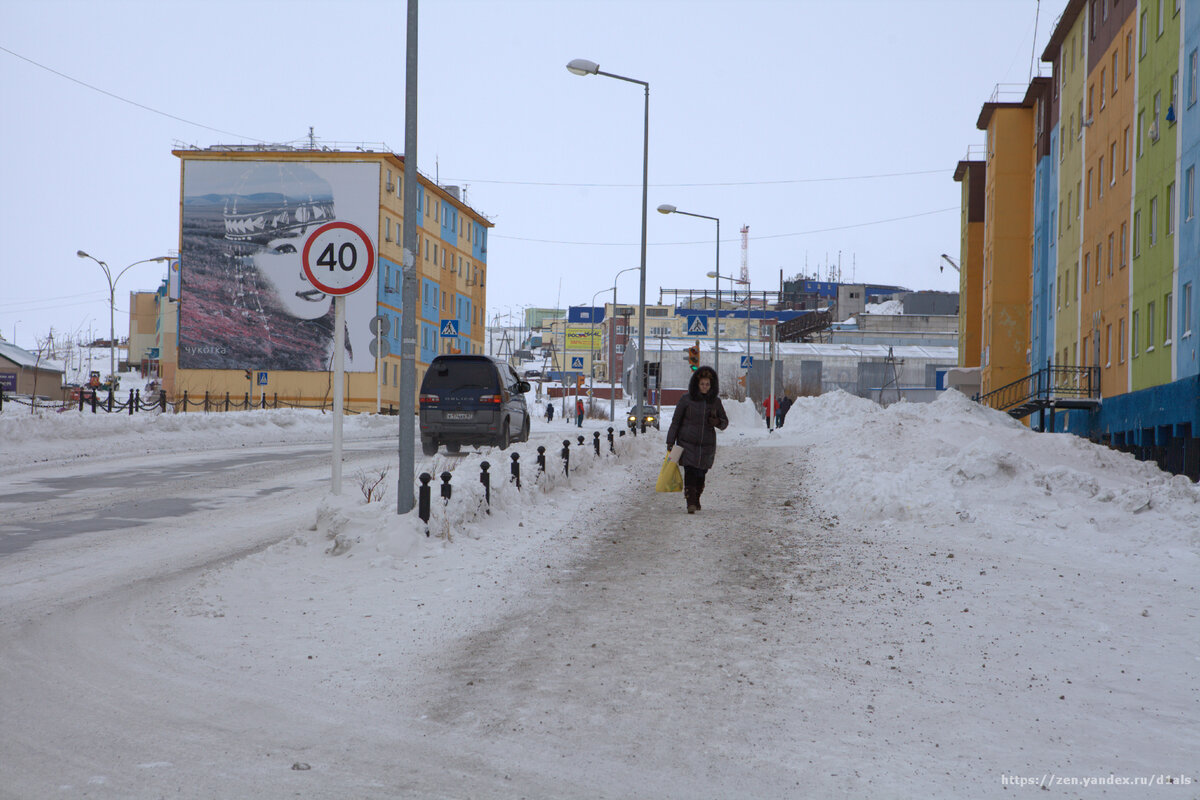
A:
(1087, 267)
(1121, 340)
(1170, 208)
(1128, 54)
(1153, 221)
(1142, 35)
(1114, 72)
(1168, 307)
(1108, 346)
(1189, 188)
(1100, 179)
(1141, 126)
(1133, 330)
(1124, 243)
(1112, 164)
(1099, 261)
(1110, 255)
(1137, 233)
(1174, 97)
(1103, 75)
(1192, 64)
(1078, 199)
(1186, 322)
(1161, 18)
(1150, 326)
(1089, 188)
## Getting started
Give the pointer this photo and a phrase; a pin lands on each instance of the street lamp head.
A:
(581, 66)
(666, 208)
(82, 254)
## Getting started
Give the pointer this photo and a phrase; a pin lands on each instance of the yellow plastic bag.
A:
(669, 479)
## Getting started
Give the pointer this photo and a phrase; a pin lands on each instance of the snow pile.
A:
(49, 435)
(887, 307)
(956, 462)
(373, 531)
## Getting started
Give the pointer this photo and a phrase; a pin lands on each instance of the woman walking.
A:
(698, 417)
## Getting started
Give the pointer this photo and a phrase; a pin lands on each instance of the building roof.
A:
(23, 358)
(1066, 21)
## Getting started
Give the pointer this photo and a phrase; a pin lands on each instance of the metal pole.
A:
(717, 317)
(642, 287)
(408, 315)
(612, 357)
(339, 363)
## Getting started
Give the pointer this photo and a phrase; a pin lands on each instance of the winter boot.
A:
(699, 490)
(693, 501)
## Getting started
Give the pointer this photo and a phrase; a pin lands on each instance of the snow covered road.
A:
(923, 601)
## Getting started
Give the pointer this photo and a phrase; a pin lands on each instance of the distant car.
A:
(472, 400)
(533, 373)
(650, 418)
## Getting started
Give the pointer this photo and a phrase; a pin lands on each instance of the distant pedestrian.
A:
(550, 411)
(781, 414)
(578, 412)
(698, 417)
(770, 412)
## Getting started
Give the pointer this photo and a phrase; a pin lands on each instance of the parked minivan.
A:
(472, 400)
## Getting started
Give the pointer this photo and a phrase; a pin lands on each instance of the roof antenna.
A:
(1033, 56)
(312, 141)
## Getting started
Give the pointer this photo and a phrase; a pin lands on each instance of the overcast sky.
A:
(826, 127)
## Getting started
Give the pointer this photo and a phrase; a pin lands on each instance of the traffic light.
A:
(693, 356)
(579, 381)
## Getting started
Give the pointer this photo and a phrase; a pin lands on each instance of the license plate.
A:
(459, 415)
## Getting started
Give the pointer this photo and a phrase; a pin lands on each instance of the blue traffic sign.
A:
(697, 325)
(262, 379)
(449, 328)
(747, 362)
(576, 362)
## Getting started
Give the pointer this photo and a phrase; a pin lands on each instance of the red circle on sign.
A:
(348, 232)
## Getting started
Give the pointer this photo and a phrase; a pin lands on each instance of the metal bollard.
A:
(110, 399)
(581, 441)
(612, 448)
(93, 401)
(129, 405)
(596, 441)
(423, 499)
(162, 400)
(446, 488)
(622, 432)
(541, 459)
(486, 480)
(185, 402)
(566, 456)
(137, 400)
(206, 401)
(516, 469)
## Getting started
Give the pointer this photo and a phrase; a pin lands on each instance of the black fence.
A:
(106, 401)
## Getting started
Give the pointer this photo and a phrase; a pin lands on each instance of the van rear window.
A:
(447, 376)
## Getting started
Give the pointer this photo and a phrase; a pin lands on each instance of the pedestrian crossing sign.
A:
(449, 328)
(576, 362)
(697, 325)
(747, 362)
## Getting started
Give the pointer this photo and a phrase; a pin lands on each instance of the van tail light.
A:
(490, 398)
(429, 398)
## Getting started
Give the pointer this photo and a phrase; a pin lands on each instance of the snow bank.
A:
(955, 462)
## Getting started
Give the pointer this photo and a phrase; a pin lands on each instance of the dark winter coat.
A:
(696, 421)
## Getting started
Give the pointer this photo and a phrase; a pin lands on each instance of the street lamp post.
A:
(581, 66)
(667, 208)
(112, 303)
(612, 352)
(732, 279)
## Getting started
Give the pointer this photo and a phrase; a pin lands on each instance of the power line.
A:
(701, 185)
(125, 99)
(709, 241)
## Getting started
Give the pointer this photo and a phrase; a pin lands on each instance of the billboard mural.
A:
(584, 337)
(245, 302)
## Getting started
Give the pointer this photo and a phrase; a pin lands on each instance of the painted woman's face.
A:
(280, 262)
(705, 384)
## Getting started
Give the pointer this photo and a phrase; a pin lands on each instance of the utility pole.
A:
(408, 315)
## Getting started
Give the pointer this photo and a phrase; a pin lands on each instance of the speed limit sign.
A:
(338, 258)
